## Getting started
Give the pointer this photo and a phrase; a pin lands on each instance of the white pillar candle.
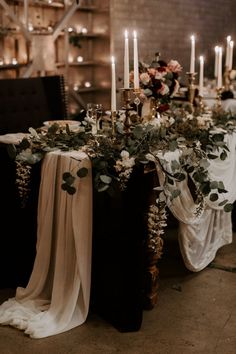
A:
(136, 68)
(216, 61)
(126, 61)
(113, 85)
(192, 57)
(201, 75)
(231, 49)
(227, 51)
(219, 74)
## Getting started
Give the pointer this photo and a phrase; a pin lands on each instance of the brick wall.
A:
(166, 26)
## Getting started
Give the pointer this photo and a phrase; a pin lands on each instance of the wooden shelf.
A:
(91, 89)
(12, 66)
(84, 63)
(39, 3)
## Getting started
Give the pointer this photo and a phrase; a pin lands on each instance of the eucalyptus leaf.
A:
(228, 207)
(175, 193)
(103, 188)
(179, 176)
(11, 150)
(175, 165)
(173, 145)
(105, 179)
(214, 185)
(223, 155)
(223, 202)
(71, 190)
(66, 175)
(82, 172)
(212, 156)
(213, 197)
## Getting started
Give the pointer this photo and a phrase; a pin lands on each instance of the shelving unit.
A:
(51, 24)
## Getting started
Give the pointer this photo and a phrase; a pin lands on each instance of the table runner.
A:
(56, 298)
(201, 237)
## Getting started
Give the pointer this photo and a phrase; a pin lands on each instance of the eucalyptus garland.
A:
(197, 139)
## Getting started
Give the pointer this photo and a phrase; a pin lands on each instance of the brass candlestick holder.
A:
(191, 89)
(137, 101)
(113, 121)
(201, 103)
(226, 78)
(126, 98)
(219, 91)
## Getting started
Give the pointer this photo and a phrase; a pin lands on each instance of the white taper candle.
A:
(201, 75)
(219, 74)
(126, 61)
(136, 66)
(113, 85)
(192, 57)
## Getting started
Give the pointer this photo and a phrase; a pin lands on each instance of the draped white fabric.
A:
(56, 298)
(201, 237)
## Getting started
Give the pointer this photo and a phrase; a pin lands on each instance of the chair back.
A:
(28, 102)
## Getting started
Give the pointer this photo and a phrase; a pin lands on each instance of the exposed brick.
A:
(167, 25)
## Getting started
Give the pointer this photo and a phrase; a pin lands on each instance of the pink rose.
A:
(144, 78)
(174, 66)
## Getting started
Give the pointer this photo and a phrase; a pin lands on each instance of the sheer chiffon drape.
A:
(56, 298)
(201, 237)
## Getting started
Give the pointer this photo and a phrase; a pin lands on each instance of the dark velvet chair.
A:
(28, 102)
(24, 103)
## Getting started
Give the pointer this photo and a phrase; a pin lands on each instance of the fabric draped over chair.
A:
(200, 237)
(56, 298)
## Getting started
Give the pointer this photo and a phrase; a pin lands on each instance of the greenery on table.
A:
(197, 138)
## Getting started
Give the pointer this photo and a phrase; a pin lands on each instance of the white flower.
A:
(124, 154)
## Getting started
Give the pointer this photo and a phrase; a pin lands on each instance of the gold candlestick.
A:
(191, 88)
(113, 120)
(127, 94)
(226, 79)
(219, 91)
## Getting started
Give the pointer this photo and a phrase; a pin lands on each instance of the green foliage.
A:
(192, 140)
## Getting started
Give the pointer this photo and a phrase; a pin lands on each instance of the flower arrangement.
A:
(159, 80)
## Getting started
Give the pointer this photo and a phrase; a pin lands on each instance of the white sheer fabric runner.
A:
(201, 237)
(56, 298)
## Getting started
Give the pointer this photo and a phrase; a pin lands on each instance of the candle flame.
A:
(112, 59)
(126, 33)
(216, 48)
(201, 58)
(135, 34)
(228, 39)
(192, 38)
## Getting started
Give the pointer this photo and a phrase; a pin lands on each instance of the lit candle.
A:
(219, 65)
(126, 61)
(192, 58)
(113, 85)
(227, 51)
(136, 69)
(201, 76)
(216, 60)
(231, 49)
